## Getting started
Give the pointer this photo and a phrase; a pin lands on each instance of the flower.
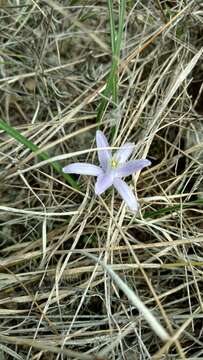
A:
(112, 169)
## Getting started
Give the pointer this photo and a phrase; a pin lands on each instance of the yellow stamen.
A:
(114, 163)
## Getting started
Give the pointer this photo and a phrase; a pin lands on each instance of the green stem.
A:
(34, 148)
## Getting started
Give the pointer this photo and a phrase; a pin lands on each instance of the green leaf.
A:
(171, 209)
(111, 88)
(34, 148)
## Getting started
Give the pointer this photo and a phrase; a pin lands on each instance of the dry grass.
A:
(65, 254)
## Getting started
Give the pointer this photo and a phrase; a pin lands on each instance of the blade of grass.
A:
(113, 46)
(134, 299)
(112, 26)
(34, 148)
(116, 39)
(152, 214)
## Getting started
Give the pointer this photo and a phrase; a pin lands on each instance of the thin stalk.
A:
(34, 148)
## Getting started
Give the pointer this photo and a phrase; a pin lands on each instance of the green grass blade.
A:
(121, 25)
(116, 40)
(112, 26)
(170, 209)
(34, 148)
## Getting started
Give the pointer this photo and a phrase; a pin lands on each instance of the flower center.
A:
(114, 163)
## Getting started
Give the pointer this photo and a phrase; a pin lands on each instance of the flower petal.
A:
(103, 155)
(103, 183)
(131, 167)
(126, 194)
(83, 169)
(122, 154)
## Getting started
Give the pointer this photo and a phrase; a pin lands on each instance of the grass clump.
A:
(82, 277)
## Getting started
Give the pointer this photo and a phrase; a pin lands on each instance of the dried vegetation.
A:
(56, 301)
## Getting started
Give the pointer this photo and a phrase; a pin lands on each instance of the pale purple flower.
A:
(112, 168)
